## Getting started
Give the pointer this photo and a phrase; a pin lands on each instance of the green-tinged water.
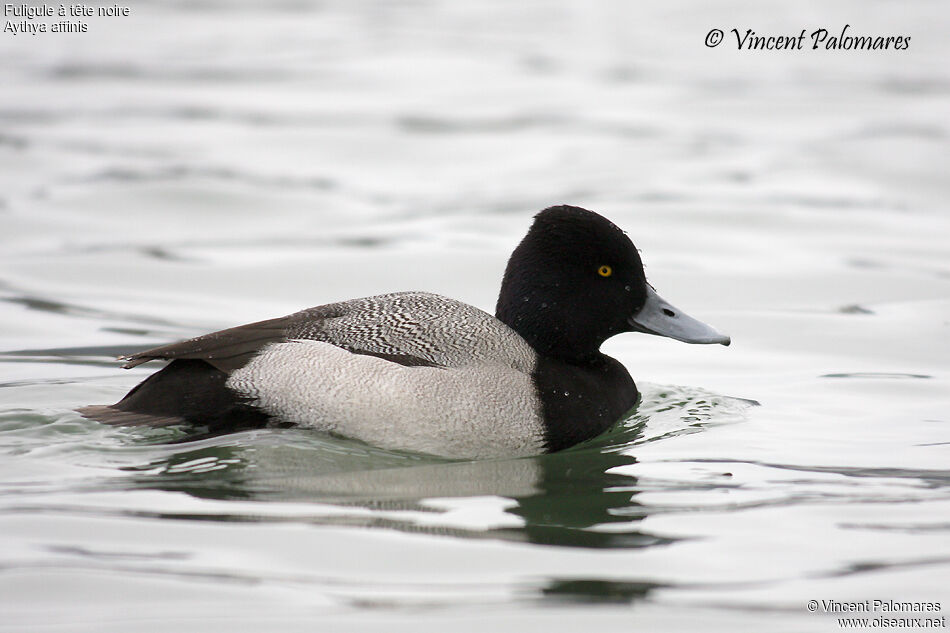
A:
(193, 167)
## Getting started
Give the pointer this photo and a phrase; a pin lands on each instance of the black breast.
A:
(581, 400)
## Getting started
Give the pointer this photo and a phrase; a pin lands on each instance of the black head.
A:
(576, 280)
(573, 282)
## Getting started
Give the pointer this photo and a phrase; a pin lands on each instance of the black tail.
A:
(184, 392)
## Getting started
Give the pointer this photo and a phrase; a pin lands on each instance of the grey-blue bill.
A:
(658, 316)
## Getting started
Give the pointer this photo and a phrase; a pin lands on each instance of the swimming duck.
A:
(421, 372)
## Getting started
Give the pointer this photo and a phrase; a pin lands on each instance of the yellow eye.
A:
(605, 271)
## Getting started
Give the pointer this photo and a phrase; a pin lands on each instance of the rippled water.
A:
(197, 166)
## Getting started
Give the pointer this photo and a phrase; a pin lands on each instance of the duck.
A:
(423, 373)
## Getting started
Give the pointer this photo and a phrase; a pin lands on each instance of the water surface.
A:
(196, 166)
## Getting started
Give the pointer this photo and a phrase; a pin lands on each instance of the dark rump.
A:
(184, 392)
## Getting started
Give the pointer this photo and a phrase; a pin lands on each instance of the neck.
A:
(541, 324)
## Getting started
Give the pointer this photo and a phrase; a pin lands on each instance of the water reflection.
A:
(575, 498)
(592, 590)
(577, 495)
(582, 497)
